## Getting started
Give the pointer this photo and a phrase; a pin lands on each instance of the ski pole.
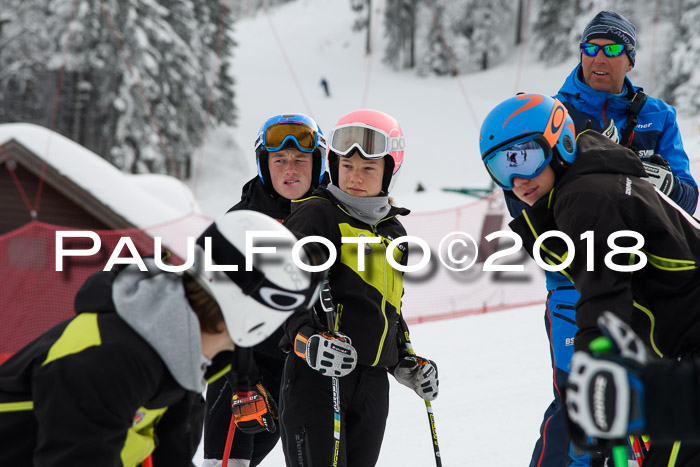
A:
(428, 406)
(637, 448)
(239, 377)
(229, 441)
(327, 305)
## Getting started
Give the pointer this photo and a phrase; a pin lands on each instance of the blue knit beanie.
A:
(612, 26)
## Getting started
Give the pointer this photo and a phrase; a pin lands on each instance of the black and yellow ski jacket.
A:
(367, 303)
(603, 193)
(97, 390)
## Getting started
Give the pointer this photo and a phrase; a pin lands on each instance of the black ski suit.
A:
(602, 192)
(267, 359)
(95, 389)
(368, 310)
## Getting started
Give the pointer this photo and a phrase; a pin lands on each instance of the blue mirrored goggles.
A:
(525, 159)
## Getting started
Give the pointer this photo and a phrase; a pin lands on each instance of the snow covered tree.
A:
(554, 24)
(484, 27)
(138, 80)
(363, 20)
(23, 53)
(400, 31)
(459, 36)
(682, 86)
(436, 48)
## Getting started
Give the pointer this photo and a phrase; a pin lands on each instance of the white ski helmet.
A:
(255, 303)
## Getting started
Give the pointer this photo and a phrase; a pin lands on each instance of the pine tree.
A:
(363, 20)
(488, 43)
(554, 25)
(435, 39)
(23, 53)
(682, 87)
(138, 82)
(400, 30)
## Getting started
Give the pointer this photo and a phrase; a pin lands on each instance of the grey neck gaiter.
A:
(369, 210)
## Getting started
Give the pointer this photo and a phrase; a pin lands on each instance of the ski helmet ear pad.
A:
(388, 172)
(261, 155)
(255, 302)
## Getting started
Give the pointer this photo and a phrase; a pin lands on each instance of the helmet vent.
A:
(568, 144)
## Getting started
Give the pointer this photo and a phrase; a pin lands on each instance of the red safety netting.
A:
(436, 292)
(35, 296)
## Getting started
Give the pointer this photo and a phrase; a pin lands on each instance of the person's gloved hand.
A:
(604, 395)
(254, 411)
(609, 130)
(659, 173)
(419, 374)
(331, 354)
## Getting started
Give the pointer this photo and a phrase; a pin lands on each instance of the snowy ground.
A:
(495, 370)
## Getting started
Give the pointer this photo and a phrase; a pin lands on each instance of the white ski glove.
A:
(659, 173)
(610, 131)
(604, 395)
(419, 374)
(329, 354)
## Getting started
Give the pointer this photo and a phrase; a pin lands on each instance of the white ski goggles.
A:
(371, 142)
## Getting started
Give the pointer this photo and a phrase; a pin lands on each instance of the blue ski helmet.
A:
(298, 131)
(523, 134)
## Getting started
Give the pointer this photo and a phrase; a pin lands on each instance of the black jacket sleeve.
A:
(602, 289)
(179, 432)
(83, 416)
(309, 218)
(685, 195)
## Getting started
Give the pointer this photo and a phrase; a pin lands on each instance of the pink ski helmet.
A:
(374, 135)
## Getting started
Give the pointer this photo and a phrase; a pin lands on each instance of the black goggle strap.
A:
(254, 283)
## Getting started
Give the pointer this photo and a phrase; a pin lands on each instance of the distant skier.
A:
(324, 85)
(593, 190)
(365, 153)
(595, 93)
(124, 377)
(290, 155)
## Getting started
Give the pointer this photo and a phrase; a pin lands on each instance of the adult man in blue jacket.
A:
(598, 94)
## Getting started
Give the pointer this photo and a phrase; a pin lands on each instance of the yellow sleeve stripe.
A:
(82, 332)
(16, 406)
